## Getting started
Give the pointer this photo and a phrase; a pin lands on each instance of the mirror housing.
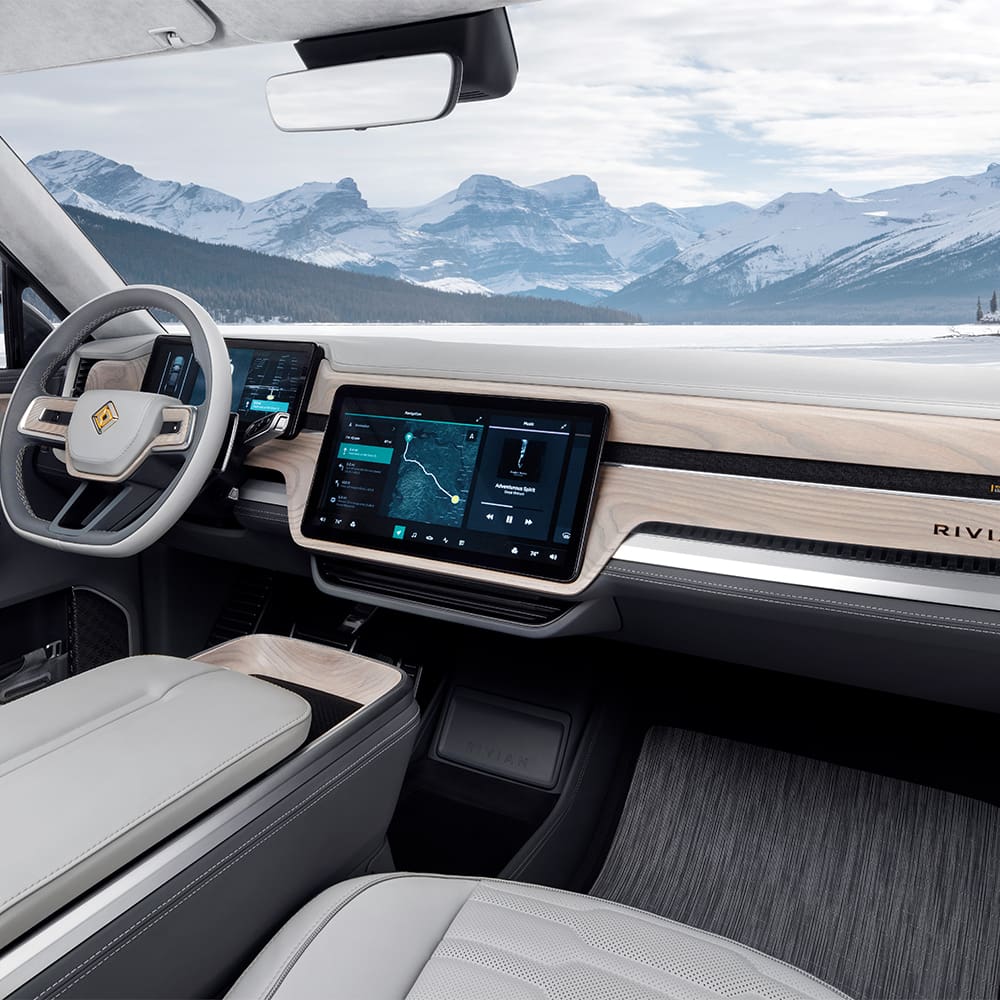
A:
(480, 47)
(394, 91)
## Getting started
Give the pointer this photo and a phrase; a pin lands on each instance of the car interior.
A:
(430, 666)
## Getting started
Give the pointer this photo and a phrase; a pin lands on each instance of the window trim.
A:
(14, 281)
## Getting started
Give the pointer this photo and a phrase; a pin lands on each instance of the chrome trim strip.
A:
(907, 583)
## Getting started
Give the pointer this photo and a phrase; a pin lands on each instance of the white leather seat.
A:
(97, 769)
(425, 937)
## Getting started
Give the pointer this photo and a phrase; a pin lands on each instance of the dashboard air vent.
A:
(82, 371)
(468, 599)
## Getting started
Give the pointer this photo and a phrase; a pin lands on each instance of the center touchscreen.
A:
(486, 481)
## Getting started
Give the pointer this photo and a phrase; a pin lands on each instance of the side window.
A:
(27, 315)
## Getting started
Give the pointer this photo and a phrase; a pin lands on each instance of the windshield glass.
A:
(731, 176)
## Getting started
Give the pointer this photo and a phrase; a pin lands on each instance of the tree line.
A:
(993, 315)
(240, 286)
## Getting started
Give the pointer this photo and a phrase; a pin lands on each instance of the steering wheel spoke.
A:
(177, 430)
(46, 420)
(101, 507)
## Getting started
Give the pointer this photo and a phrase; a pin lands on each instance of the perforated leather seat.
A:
(425, 937)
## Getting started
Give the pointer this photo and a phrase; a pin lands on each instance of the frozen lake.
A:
(940, 345)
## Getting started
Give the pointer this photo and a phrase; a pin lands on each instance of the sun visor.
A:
(267, 21)
(40, 34)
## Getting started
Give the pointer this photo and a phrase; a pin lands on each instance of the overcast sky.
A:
(677, 101)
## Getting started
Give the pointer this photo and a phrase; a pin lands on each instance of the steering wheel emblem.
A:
(105, 417)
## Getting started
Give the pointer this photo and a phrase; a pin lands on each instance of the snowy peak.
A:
(485, 189)
(564, 238)
(573, 190)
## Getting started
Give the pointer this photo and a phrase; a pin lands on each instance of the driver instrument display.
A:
(486, 481)
(268, 376)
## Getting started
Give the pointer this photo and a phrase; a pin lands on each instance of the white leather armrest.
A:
(101, 767)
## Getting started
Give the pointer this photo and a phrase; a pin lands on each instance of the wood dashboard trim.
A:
(749, 427)
(630, 496)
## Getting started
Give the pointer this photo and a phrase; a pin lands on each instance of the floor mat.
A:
(884, 889)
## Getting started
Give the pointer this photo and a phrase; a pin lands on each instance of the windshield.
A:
(728, 176)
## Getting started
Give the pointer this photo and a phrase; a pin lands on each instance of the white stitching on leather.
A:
(113, 714)
(81, 337)
(258, 839)
(317, 928)
(172, 797)
(822, 604)
(19, 476)
(654, 917)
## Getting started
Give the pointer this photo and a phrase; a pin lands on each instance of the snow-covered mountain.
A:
(932, 241)
(561, 238)
(812, 247)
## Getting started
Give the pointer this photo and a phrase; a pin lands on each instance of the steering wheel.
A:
(107, 435)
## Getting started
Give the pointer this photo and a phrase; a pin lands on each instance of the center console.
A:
(212, 795)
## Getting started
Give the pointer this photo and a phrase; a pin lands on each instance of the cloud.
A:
(681, 102)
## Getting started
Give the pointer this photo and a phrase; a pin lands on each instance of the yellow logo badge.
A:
(105, 417)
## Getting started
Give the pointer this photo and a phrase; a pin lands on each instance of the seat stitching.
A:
(137, 705)
(315, 930)
(216, 875)
(654, 918)
(262, 836)
(173, 796)
(822, 604)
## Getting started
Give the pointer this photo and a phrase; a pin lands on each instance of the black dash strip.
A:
(869, 477)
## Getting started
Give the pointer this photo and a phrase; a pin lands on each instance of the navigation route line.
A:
(453, 497)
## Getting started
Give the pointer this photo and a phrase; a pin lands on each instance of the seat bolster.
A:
(368, 937)
(435, 937)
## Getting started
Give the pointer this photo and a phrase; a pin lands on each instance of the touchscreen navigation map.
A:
(463, 478)
(435, 472)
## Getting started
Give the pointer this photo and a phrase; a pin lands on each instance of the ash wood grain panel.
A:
(751, 427)
(308, 664)
(628, 497)
(117, 374)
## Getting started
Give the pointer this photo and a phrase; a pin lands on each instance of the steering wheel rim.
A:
(32, 419)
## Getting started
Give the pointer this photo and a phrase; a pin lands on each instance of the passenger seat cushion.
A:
(424, 937)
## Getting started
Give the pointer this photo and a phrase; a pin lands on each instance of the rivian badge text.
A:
(105, 417)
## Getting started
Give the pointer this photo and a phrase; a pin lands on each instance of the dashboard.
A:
(722, 499)
(479, 480)
(858, 464)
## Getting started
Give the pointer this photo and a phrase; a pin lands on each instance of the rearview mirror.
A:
(360, 95)
(395, 76)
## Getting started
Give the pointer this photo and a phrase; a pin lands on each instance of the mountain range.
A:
(902, 254)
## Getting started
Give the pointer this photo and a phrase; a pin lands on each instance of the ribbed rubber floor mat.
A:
(882, 888)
